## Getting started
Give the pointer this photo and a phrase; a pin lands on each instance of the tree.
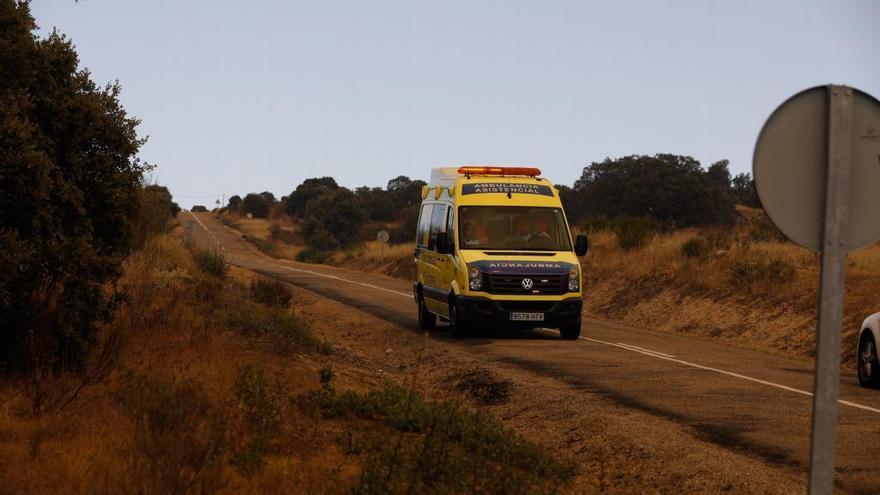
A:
(268, 197)
(155, 211)
(69, 185)
(719, 174)
(234, 202)
(743, 189)
(380, 205)
(665, 187)
(256, 205)
(307, 191)
(407, 192)
(199, 209)
(333, 220)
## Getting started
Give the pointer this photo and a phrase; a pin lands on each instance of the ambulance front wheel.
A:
(427, 320)
(456, 327)
(571, 331)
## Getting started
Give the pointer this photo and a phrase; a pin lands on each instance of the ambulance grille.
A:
(513, 284)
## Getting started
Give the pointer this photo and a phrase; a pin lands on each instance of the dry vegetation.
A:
(211, 382)
(743, 285)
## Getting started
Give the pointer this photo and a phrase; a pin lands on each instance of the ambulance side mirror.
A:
(581, 244)
(442, 244)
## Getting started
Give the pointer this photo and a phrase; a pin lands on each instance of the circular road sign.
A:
(382, 236)
(790, 168)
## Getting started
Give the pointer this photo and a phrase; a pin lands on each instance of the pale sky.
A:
(242, 96)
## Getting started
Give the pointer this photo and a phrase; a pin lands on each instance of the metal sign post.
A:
(834, 249)
(383, 237)
(816, 173)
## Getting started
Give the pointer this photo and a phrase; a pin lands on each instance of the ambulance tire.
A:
(570, 332)
(457, 328)
(427, 319)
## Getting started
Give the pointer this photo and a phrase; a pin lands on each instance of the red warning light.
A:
(528, 171)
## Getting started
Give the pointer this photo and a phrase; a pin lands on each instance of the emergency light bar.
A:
(529, 171)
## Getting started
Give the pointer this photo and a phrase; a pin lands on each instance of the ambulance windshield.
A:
(513, 228)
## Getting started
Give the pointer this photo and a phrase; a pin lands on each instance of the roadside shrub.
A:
(270, 292)
(695, 247)
(763, 230)
(277, 328)
(596, 223)
(280, 234)
(748, 272)
(405, 231)
(260, 402)
(313, 255)
(179, 443)
(265, 246)
(634, 232)
(439, 446)
(333, 220)
(256, 204)
(211, 262)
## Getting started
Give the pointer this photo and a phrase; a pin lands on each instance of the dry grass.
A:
(759, 294)
(200, 399)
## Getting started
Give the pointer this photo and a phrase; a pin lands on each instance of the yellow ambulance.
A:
(493, 246)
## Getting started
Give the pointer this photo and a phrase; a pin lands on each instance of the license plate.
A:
(527, 316)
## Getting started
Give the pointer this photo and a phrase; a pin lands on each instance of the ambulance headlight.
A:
(475, 279)
(574, 280)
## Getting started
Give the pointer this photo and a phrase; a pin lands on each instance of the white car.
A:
(869, 367)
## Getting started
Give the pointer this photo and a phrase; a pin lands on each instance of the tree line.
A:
(333, 216)
(665, 188)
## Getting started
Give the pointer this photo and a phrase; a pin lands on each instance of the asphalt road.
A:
(747, 401)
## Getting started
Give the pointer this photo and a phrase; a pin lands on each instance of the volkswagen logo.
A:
(527, 283)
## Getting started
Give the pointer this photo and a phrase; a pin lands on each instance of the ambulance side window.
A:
(438, 224)
(450, 230)
(424, 226)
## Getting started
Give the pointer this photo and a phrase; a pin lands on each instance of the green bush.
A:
(270, 292)
(282, 331)
(313, 255)
(211, 262)
(634, 232)
(405, 231)
(277, 233)
(439, 447)
(333, 220)
(747, 272)
(695, 247)
(260, 402)
(595, 223)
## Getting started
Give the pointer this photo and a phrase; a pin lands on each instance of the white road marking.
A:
(663, 354)
(334, 277)
(628, 347)
(728, 373)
